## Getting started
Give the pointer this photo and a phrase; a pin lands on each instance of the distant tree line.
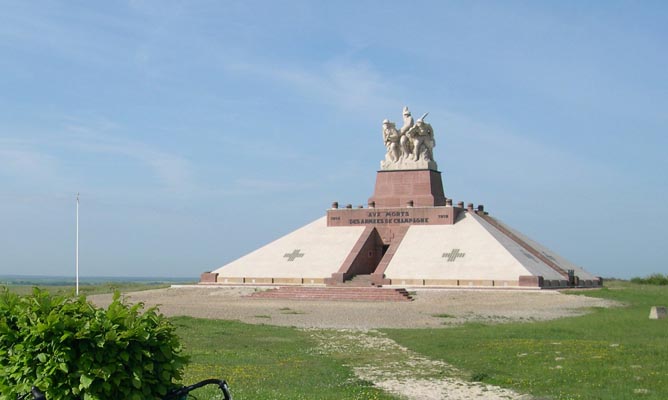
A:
(654, 279)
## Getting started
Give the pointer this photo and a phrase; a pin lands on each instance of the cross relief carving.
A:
(292, 256)
(453, 255)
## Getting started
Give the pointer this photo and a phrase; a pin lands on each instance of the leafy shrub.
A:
(479, 376)
(72, 350)
(654, 279)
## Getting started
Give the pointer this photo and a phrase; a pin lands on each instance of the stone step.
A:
(338, 289)
(334, 293)
(358, 281)
(329, 294)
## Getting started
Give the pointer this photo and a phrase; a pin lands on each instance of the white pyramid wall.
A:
(479, 255)
(324, 250)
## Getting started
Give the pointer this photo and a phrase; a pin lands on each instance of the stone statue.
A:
(411, 147)
(422, 137)
(406, 145)
(391, 138)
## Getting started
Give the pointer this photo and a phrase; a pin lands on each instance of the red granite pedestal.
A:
(396, 188)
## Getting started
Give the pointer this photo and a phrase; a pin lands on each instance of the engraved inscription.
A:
(388, 217)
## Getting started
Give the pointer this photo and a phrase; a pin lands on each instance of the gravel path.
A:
(431, 308)
(399, 371)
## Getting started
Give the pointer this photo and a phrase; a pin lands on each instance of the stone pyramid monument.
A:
(409, 235)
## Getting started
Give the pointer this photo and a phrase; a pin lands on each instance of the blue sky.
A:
(198, 131)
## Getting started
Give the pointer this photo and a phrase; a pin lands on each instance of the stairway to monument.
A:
(338, 293)
(361, 280)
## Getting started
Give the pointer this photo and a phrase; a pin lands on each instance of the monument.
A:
(409, 235)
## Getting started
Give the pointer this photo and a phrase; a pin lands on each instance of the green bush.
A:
(72, 350)
(654, 279)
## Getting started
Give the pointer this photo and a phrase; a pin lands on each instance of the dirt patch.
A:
(431, 308)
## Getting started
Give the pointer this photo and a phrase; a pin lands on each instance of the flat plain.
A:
(455, 344)
(447, 344)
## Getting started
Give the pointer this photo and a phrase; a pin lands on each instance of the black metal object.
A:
(176, 394)
(35, 393)
(181, 393)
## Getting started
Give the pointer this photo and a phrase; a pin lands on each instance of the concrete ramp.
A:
(553, 257)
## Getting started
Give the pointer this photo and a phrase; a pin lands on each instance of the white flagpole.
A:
(76, 258)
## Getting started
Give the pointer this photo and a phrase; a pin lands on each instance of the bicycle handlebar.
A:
(175, 394)
(179, 393)
(35, 393)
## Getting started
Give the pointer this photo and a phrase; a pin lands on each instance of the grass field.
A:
(615, 353)
(87, 286)
(88, 289)
(611, 353)
(266, 362)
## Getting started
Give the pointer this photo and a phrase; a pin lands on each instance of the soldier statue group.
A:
(412, 143)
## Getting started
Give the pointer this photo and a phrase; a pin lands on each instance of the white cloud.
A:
(251, 187)
(48, 158)
(517, 167)
(343, 83)
(265, 185)
(173, 171)
(24, 163)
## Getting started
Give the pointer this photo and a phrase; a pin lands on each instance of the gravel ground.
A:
(431, 308)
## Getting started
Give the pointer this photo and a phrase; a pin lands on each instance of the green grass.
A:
(266, 362)
(86, 289)
(443, 316)
(612, 353)
(289, 311)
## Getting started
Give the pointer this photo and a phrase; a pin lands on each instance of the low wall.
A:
(524, 282)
